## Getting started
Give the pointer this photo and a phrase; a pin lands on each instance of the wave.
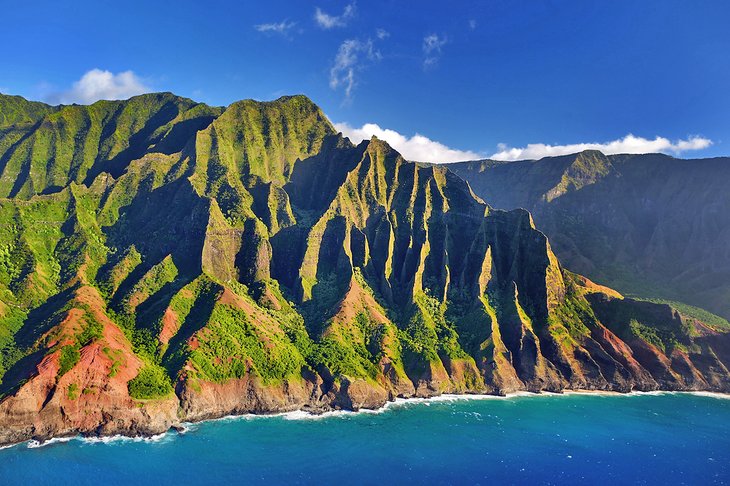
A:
(719, 396)
(427, 401)
(111, 439)
(35, 444)
(655, 393)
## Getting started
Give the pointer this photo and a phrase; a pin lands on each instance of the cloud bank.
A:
(630, 144)
(98, 85)
(422, 149)
(327, 21)
(417, 148)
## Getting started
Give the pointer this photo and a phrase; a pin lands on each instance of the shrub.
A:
(151, 382)
(92, 331)
(231, 347)
(144, 343)
(69, 357)
(340, 359)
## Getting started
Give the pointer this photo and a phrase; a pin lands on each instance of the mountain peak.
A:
(591, 153)
(16, 110)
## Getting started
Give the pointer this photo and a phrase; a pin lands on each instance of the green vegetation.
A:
(569, 322)
(595, 209)
(253, 242)
(70, 354)
(647, 333)
(342, 360)
(657, 324)
(15, 110)
(69, 357)
(695, 313)
(151, 382)
(145, 344)
(116, 358)
(232, 346)
(432, 315)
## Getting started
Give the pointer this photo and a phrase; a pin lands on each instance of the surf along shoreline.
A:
(185, 427)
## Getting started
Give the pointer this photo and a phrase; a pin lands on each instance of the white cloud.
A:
(327, 21)
(276, 28)
(432, 45)
(423, 149)
(630, 144)
(348, 61)
(382, 34)
(98, 85)
(472, 24)
(417, 148)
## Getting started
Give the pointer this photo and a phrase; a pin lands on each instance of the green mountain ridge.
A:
(649, 225)
(164, 261)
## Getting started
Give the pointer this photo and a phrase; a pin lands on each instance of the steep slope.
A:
(76, 378)
(43, 149)
(258, 261)
(648, 225)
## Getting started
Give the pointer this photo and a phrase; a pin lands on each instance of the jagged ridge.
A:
(649, 225)
(208, 262)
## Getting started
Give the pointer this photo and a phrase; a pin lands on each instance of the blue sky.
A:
(512, 79)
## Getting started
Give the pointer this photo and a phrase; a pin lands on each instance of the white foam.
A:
(111, 439)
(304, 415)
(654, 393)
(593, 393)
(35, 444)
(293, 415)
(231, 418)
(186, 427)
(719, 396)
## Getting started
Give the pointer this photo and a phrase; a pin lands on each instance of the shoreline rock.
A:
(181, 426)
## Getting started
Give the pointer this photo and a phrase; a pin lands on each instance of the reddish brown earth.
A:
(90, 398)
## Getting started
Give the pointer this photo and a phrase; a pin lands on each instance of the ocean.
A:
(655, 438)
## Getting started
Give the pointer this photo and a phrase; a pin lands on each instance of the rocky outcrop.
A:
(67, 393)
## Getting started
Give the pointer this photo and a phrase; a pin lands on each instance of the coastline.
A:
(185, 427)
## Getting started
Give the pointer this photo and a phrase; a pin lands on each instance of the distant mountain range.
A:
(648, 225)
(165, 261)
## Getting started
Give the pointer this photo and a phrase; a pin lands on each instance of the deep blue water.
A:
(546, 439)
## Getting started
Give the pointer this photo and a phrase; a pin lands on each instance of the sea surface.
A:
(656, 438)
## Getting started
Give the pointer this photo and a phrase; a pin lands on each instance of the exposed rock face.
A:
(261, 263)
(648, 225)
(91, 397)
(240, 396)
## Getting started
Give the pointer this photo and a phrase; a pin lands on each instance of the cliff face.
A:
(255, 261)
(649, 225)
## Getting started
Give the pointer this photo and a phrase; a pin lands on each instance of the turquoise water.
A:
(546, 439)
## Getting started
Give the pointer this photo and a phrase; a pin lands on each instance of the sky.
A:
(440, 81)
